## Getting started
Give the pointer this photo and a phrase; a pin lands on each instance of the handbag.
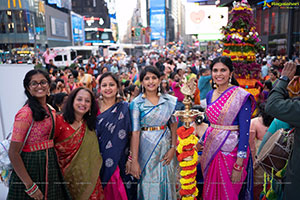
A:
(5, 164)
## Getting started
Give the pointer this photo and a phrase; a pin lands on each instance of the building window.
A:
(274, 20)
(89, 2)
(74, 4)
(284, 15)
(258, 20)
(21, 21)
(10, 22)
(266, 22)
(90, 10)
(2, 22)
(296, 28)
(104, 36)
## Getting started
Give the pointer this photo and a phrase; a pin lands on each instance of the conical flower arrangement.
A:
(241, 41)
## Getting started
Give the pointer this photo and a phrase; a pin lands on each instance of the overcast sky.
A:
(124, 10)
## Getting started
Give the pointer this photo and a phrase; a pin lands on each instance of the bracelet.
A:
(130, 158)
(238, 167)
(32, 189)
(172, 146)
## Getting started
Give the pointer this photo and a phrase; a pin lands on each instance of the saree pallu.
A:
(220, 146)
(157, 181)
(113, 127)
(80, 160)
(217, 183)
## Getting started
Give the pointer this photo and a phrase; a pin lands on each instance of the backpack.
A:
(5, 164)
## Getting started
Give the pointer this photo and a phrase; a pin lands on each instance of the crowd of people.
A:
(106, 130)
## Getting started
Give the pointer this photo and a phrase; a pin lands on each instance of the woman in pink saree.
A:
(225, 159)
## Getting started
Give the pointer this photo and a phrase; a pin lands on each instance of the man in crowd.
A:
(48, 55)
(264, 69)
(280, 106)
(204, 85)
(180, 64)
(114, 69)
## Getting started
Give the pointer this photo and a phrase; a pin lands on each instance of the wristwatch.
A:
(284, 78)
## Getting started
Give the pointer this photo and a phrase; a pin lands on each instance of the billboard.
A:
(158, 24)
(77, 27)
(157, 19)
(59, 27)
(157, 3)
(205, 21)
(61, 3)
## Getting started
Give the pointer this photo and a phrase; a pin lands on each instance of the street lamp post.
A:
(34, 36)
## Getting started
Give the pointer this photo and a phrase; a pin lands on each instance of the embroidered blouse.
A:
(40, 130)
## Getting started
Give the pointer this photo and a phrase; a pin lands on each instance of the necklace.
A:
(79, 121)
(220, 92)
(76, 126)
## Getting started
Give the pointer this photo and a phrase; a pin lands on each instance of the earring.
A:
(159, 91)
(229, 83)
(143, 91)
(100, 97)
(90, 113)
(119, 96)
(215, 85)
(128, 97)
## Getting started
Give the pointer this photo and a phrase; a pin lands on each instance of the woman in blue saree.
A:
(152, 159)
(113, 127)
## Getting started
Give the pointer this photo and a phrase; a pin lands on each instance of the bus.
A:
(65, 56)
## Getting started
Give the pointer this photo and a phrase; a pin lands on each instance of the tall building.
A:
(97, 22)
(58, 23)
(22, 24)
(25, 24)
(162, 19)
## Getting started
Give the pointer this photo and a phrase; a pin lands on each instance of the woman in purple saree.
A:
(225, 159)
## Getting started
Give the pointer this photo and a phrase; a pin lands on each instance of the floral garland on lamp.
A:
(187, 157)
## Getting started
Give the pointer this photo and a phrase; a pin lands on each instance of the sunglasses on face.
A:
(35, 84)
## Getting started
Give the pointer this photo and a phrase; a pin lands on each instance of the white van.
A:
(65, 56)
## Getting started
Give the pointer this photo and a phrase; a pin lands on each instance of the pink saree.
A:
(220, 146)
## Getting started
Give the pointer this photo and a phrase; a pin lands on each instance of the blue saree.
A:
(157, 181)
(113, 127)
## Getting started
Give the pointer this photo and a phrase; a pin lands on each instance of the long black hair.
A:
(267, 119)
(38, 111)
(226, 61)
(89, 117)
(58, 100)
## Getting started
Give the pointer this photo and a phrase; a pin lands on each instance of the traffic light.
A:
(132, 32)
(143, 31)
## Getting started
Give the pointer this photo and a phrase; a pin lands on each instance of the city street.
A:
(150, 99)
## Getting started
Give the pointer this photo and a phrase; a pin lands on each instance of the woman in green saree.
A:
(77, 146)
